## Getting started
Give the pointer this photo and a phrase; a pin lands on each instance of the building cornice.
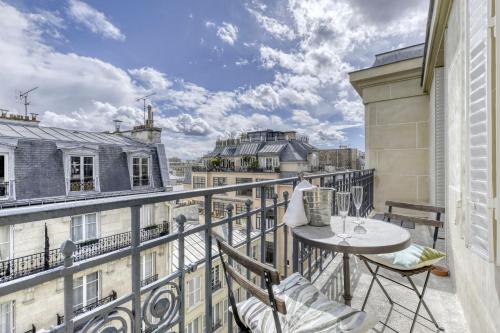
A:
(439, 11)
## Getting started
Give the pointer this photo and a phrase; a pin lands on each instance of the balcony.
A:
(216, 286)
(149, 280)
(157, 305)
(89, 307)
(51, 258)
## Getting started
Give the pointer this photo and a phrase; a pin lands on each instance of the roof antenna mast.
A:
(144, 99)
(24, 96)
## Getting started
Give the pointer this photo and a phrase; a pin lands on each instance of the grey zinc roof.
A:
(20, 131)
(272, 148)
(228, 151)
(194, 245)
(247, 149)
(215, 152)
(405, 53)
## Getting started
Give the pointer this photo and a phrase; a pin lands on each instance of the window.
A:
(239, 209)
(269, 220)
(7, 317)
(219, 181)
(247, 192)
(85, 290)
(199, 182)
(254, 252)
(216, 283)
(217, 313)
(84, 227)
(81, 173)
(269, 252)
(5, 242)
(194, 291)
(219, 209)
(147, 215)
(194, 326)
(268, 190)
(140, 172)
(4, 180)
(148, 267)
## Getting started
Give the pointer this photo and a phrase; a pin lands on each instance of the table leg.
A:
(295, 255)
(347, 280)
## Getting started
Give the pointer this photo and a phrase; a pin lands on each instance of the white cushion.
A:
(307, 311)
(413, 257)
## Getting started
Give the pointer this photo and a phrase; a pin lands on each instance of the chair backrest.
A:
(271, 277)
(436, 223)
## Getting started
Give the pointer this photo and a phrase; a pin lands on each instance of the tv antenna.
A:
(144, 99)
(24, 95)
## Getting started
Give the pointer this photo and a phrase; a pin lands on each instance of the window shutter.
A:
(480, 222)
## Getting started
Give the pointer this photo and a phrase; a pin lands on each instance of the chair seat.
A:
(414, 257)
(308, 310)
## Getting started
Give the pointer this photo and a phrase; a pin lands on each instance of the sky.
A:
(217, 67)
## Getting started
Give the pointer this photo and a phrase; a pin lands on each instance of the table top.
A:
(380, 237)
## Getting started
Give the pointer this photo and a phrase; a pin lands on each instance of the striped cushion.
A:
(307, 311)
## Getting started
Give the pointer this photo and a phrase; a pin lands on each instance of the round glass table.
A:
(378, 237)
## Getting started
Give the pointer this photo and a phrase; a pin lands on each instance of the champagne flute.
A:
(357, 199)
(343, 203)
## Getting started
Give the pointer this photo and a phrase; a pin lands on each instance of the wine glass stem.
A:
(343, 224)
(357, 214)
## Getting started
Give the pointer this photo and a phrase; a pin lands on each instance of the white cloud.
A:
(273, 26)
(151, 77)
(228, 33)
(94, 20)
(209, 24)
(241, 62)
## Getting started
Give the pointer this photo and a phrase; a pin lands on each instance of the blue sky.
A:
(217, 67)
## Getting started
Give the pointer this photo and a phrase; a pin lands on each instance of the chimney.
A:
(117, 125)
(149, 121)
(146, 133)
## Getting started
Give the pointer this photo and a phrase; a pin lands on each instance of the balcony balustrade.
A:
(149, 280)
(199, 168)
(34, 263)
(216, 286)
(158, 306)
(90, 306)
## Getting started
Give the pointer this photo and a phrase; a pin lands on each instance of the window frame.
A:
(10, 242)
(141, 157)
(11, 314)
(196, 292)
(244, 180)
(152, 255)
(85, 283)
(84, 227)
(196, 184)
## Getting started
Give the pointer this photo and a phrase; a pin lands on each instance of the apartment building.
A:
(341, 158)
(255, 156)
(41, 165)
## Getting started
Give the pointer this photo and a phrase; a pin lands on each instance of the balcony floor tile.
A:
(439, 297)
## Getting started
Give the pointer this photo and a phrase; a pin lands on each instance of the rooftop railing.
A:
(159, 305)
(234, 169)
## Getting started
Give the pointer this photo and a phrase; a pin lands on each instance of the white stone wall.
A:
(477, 281)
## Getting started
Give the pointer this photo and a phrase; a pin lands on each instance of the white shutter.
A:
(480, 222)
(439, 135)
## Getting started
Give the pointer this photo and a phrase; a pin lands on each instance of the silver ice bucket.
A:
(318, 204)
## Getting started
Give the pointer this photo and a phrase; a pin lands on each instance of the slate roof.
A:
(39, 174)
(405, 53)
(272, 148)
(228, 151)
(19, 131)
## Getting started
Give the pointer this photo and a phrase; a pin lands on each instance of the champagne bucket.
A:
(318, 204)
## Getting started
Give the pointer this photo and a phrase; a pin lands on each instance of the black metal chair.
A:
(434, 223)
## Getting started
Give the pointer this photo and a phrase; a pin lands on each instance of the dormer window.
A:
(81, 167)
(82, 173)
(141, 172)
(4, 179)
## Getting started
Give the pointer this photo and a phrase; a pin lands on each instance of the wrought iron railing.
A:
(34, 263)
(88, 307)
(149, 280)
(200, 168)
(216, 286)
(159, 305)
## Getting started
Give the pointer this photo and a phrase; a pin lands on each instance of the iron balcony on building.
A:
(159, 305)
(235, 169)
(91, 306)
